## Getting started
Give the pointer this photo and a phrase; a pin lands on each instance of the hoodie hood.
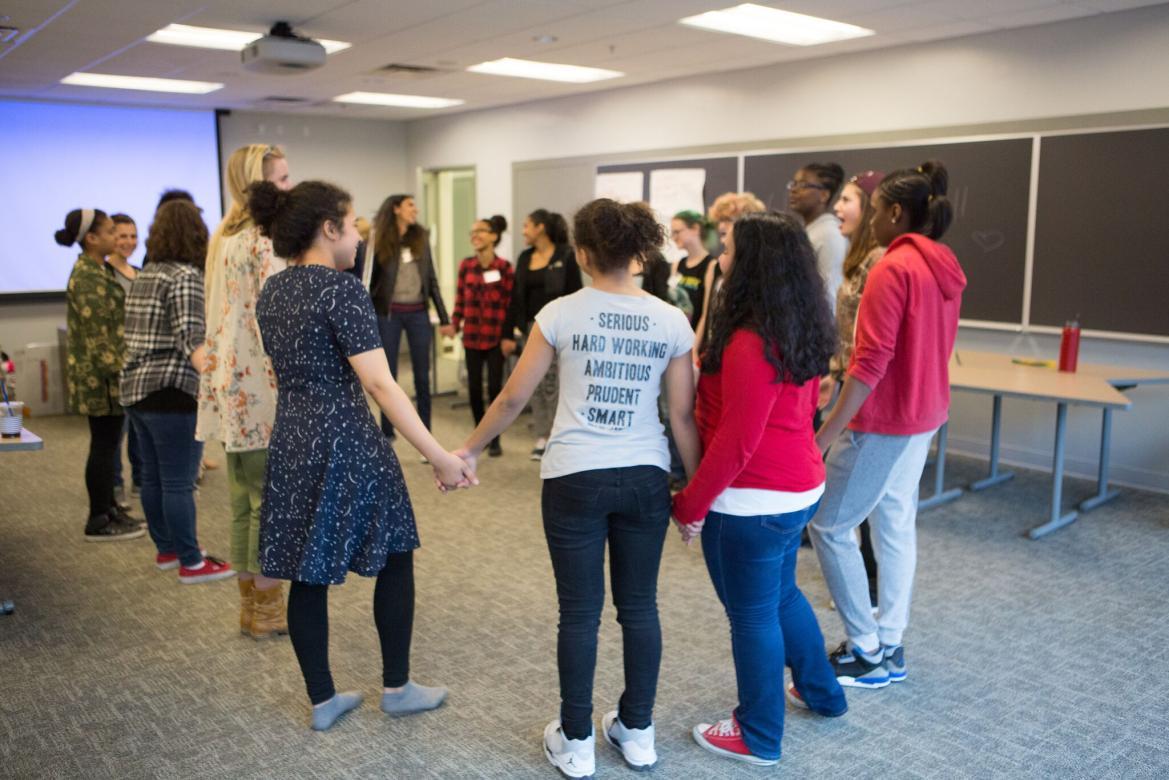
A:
(941, 261)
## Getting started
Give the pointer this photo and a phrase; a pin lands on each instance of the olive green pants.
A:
(245, 481)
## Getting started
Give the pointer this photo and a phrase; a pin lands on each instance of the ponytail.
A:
(921, 193)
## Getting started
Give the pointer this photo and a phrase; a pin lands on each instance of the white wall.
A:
(365, 156)
(1102, 65)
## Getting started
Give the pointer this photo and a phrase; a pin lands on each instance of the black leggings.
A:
(475, 359)
(104, 436)
(393, 613)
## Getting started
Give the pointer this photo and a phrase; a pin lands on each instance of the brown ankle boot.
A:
(269, 617)
(246, 605)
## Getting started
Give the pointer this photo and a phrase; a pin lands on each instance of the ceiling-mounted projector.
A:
(282, 51)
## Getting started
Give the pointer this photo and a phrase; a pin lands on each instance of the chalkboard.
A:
(990, 187)
(1102, 232)
(722, 174)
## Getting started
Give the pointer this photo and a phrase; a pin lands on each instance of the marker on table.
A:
(1036, 362)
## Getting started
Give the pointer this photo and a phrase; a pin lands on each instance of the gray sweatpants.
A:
(875, 476)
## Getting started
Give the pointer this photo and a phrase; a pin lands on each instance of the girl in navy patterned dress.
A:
(334, 497)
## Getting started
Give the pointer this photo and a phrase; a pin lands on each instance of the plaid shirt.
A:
(164, 325)
(481, 306)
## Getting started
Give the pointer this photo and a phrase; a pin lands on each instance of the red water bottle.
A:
(1069, 346)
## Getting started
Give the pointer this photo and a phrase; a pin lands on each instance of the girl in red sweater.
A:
(895, 396)
(761, 476)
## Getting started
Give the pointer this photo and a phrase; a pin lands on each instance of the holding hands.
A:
(451, 472)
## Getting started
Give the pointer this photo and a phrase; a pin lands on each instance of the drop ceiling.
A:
(638, 37)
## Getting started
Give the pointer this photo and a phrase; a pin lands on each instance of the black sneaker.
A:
(854, 670)
(494, 450)
(125, 518)
(105, 528)
(895, 662)
(120, 498)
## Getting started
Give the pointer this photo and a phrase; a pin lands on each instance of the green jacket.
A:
(95, 344)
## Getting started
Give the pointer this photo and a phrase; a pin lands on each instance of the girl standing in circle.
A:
(484, 294)
(94, 351)
(125, 244)
(761, 477)
(605, 471)
(854, 209)
(334, 499)
(688, 231)
(165, 351)
(810, 194)
(895, 397)
(546, 270)
(237, 391)
(403, 283)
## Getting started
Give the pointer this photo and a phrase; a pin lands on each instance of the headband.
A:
(87, 216)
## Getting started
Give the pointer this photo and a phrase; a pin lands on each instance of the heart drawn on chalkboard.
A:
(988, 240)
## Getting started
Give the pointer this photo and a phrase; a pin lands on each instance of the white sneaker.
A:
(538, 450)
(573, 757)
(636, 745)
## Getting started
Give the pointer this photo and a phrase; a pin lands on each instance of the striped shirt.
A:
(164, 325)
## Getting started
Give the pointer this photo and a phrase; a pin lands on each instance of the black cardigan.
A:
(562, 278)
(384, 276)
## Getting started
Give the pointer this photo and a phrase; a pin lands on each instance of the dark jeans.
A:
(476, 358)
(132, 452)
(630, 509)
(104, 434)
(393, 613)
(170, 461)
(416, 324)
(752, 563)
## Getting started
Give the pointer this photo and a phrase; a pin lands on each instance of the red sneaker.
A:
(795, 699)
(725, 739)
(168, 561)
(209, 570)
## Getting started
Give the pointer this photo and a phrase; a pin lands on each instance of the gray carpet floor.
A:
(1027, 659)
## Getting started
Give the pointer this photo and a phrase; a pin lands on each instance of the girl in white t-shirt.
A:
(605, 470)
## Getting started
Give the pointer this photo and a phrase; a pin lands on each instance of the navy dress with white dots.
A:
(334, 498)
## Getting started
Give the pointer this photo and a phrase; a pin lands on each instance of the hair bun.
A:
(498, 224)
(939, 177)
(63, 237)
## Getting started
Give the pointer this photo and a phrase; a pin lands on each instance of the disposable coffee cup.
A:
(11, 419)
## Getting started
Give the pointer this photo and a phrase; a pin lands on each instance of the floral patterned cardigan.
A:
(237, 392)
(95, 342)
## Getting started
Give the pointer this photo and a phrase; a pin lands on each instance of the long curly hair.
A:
(775, 290)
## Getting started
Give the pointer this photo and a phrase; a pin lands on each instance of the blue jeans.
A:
(170, 461)
(132, 452)
(418, 330)
(752, 563)
(630, 509)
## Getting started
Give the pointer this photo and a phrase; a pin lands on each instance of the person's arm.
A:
(185, 309)
(515, 306)
(532, 366)
(700, 328)
(374, 372)
(680, 400)
(104, 323)
(460, 300)
(878, 325)
(749, 394)
(435, 291)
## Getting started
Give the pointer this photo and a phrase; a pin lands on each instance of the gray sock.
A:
(326, 714)
(413, 698)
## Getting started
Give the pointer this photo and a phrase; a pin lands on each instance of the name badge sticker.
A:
(492, 276)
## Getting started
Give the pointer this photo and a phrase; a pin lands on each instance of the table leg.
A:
(941, 495)
(1057, 520)
(1103, 494)
(996, 428)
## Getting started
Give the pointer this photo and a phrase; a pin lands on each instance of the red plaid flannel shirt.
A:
(481, 308)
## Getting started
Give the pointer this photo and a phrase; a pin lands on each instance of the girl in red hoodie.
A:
(761, 476)
(895, 397)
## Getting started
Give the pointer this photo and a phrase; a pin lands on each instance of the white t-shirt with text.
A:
(612, 351)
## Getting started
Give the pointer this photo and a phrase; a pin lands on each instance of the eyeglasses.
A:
(477, 231)
(794, 185)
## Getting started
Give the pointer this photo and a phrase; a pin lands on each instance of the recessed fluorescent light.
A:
(228, 40)
(772, 24)
(547, 71)
(140, 83)
(402, 101)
